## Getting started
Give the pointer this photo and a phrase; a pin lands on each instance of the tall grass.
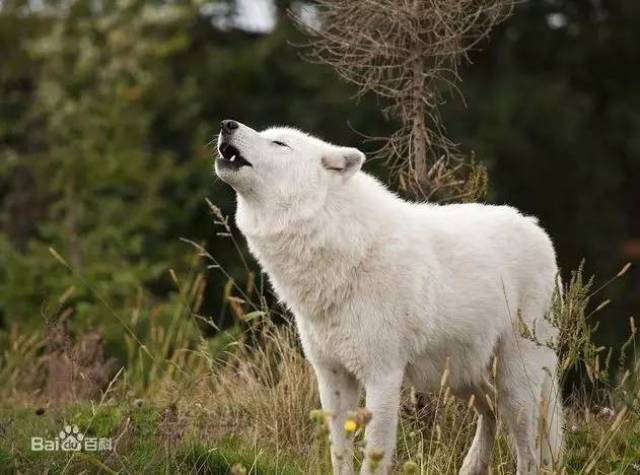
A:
(180, 397)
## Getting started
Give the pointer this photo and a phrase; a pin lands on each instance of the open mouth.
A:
(230, 156)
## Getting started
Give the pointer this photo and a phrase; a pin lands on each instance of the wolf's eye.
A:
(282, 144)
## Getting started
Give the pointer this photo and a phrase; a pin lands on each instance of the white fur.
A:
(386, 292)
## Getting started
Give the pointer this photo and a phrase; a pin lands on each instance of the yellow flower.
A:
(350, 426)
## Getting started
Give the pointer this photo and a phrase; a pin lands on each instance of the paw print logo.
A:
(71, 438)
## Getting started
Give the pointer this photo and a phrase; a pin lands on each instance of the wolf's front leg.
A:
(339, 393)
(383, 400)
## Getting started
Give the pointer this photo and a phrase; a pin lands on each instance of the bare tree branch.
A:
(409, 52)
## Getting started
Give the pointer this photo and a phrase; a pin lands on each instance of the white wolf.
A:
(387, 292)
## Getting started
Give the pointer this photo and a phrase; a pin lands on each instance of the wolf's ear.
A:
(344, 161)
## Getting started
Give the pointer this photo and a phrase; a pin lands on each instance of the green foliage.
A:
(99, 421)
(103, 148)
(140, 444)
(99, 185)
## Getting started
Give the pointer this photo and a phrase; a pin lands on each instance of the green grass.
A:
(141, 446)
(184, 404)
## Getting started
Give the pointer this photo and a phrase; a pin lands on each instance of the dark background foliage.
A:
(107, 110)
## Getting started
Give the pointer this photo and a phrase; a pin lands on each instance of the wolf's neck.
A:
(329, 243)
(357, 209)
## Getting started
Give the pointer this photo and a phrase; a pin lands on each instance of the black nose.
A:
(228, 126)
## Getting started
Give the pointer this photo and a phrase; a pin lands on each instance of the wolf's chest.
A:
(335, 340)
(311, 281)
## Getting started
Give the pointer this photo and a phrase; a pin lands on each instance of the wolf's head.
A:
(281, 165)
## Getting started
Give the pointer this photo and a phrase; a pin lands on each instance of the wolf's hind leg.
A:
(478, 458)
